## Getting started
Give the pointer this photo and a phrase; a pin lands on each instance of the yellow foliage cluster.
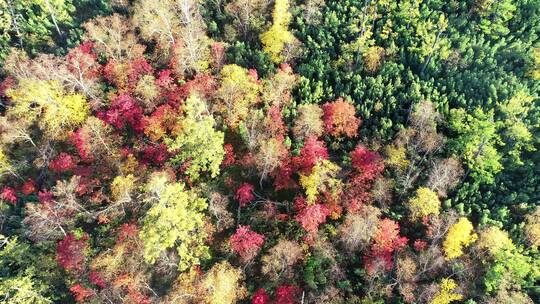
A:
(425, 203)
(223, 284)
(493, 239)
(238, 92)
(322, 178)
(396, 157)
(277, 36)
(176, 219)
(122, 186)
(5, 165)
(460, 235)
(57, 111)
(373, 58)
(445, 295)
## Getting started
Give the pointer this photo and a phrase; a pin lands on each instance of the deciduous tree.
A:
(425, 203)
(339, 118)
(358, 229)
(308, 123)
(223, 284)
(238, 92)
(175, 220)
(47, 103)
(280, 260)
(460, 235)
(278, 35)
(198, 143)
(113, 37)
(246, 243)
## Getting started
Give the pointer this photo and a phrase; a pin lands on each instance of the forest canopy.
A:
(269, 152)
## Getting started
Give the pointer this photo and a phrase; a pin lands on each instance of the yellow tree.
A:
(122, 187)
(223, 284)
(237, 93)
(396, 157)
(446, 294)
(198, 143)
(278, 35)
(322, 179)
(46, 102)
(493, 239)
(175, 220)
(535, 69)
(425, 203)
(5, 164)
(459, 235)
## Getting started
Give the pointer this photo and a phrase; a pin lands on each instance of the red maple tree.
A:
(260, 297)
(81, 293)
(312, 151)
(311, 216)
(339, 118)
(246, 242)
(368, 164)
(287, 294)
(70, 252)
(63, 162)
(9, 195)
(386, 241)
(244, 194)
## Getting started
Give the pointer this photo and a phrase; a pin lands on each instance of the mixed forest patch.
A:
(269, 152)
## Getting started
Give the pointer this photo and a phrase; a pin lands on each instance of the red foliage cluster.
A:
(311, 216)
(81, 293)
(155, 154)
(63, 162)
(127, 232)
(203, 84)
(420, 245)
(252, 73)
(230, 157)
(369, 164)
(126, 282)
(246, 242)
(125, 75)
(95, 278)
(124, 111)
(70, 252)
(386, 241)
(6, 84)
(29, 187)
(218, 54)
(161, 122)
(9, 195)
(312, 151)
(275, 124)
(285, 294)
(82, 60)
(78, 141)
(244, 194)
(169, 88)
(45, 196)
(260, 297)
(283, 175)
(339, 118)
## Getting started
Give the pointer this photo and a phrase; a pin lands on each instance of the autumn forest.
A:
(270, 151)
